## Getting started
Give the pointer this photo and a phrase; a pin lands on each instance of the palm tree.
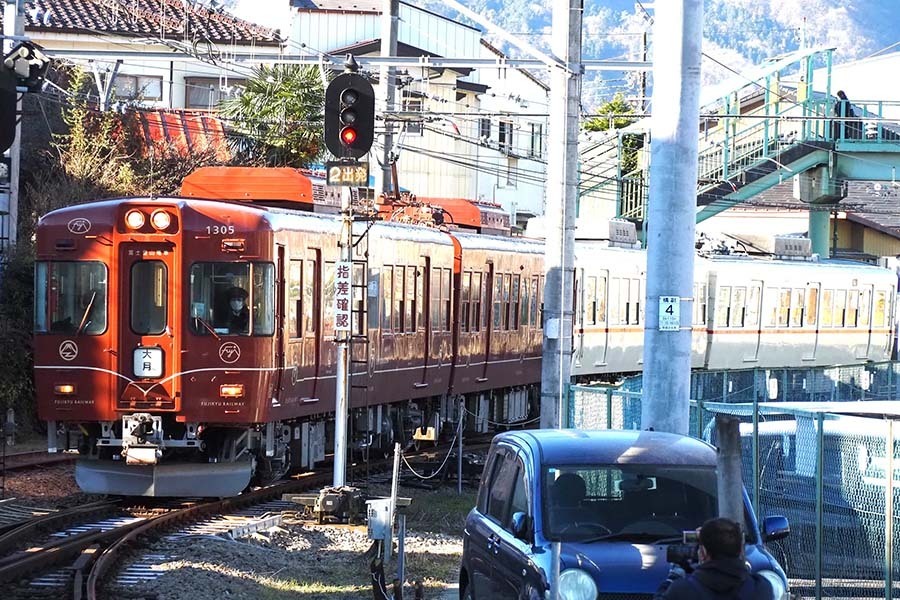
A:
(278, 116)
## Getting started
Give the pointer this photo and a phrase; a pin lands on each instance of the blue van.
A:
(615, 500)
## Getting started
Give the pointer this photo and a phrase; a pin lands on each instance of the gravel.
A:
(46, 487)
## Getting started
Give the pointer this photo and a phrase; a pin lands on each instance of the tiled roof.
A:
(171, 19)
(875, 204)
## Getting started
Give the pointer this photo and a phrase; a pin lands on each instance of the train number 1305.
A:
(220, 229)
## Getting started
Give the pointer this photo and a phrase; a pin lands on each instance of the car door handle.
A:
(492, 539)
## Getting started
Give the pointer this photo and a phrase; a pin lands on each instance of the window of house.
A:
(484, 129)
(206, 92)
(414, 123)
(137, 87)
(512, 168)
(536, 148)
(505, 136)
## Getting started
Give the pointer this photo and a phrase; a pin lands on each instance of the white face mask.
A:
(237, 304)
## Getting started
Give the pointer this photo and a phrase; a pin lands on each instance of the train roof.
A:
(770, 261)
(475, 241)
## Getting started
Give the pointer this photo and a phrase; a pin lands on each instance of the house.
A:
(477, 135)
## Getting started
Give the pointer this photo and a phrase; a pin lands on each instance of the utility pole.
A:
(13, 26)
(390, 16)
(562, 190)
(671, 215)
(342, 333)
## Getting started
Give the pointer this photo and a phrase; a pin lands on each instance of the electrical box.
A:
(379, 517)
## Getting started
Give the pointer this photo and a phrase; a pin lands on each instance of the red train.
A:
(186, 345)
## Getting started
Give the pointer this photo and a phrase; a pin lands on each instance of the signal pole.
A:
(562, 190)
(390, 16)
(342, 369)
(672, 215)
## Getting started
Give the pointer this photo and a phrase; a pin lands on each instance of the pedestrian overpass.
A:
(757, 131)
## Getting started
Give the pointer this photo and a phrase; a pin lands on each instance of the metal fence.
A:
(826, 472)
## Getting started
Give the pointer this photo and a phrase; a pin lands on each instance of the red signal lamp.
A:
(348, 136)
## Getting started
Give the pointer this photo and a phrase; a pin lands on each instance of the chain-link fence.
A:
(826, 472)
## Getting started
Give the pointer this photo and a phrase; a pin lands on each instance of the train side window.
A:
(590, 300)
(852, 308)
(464, 307)
(498, 300)
(827, 307)
(436, 299)
(542, 283)
(311, 296)
(358, 298)
(387, 292)
(601, 300)
(447, 290)
(295, 296)
(514, 299)
(752, 319)
(477, 300)
(797, 307)
(507, 285)
(737, 312)
(784, 307)
(634, 298)
(623, 301)
(770, 306)
(421, 275)
(722, 301)
(411, 276)
(614, 316)
(535, 300)
(879, 309)
(865, 306)
(812, 306)
(262, 310)
(840, 303)
(526, 301)
(399, 299)
(149, 297)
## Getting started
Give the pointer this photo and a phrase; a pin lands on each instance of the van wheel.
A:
(467, 593)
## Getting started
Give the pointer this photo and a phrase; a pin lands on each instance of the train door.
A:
(312, 319)
(752, 321)
(602, 329)
(149, 360)
(294, 315)
(279, 322)
(810, 319)
(422, 312)
(865, 321)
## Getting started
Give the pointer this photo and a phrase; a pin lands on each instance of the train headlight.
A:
(64, 389)
(235, 390)
(134, 219)
(160, 220)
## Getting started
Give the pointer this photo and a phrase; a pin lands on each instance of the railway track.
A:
(29, 460)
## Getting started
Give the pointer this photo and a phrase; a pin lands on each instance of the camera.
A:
(687, 552)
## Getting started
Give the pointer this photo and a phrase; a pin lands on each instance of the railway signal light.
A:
(349, 116)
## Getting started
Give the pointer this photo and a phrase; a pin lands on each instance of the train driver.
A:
(238, 313)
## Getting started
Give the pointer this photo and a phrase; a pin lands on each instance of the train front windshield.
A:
(232, 298)
(70, 297)
(641, 503)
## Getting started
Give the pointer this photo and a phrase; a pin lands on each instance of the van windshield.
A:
(639, 502)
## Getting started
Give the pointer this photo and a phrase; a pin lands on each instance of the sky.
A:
(270, 13)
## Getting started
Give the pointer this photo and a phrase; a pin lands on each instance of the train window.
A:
(464, 286)
(507, 289)
(614, 316)
(852, 308)
(784, 307)
(812, 306)
(373, 293)
(752, 319)
(840, 303)
(722, 301)
(410, 314)
(263, 299)
(865, 306)
(447, 290)
(149, 298)
(827, 307)
(590, 301)
(797, 307)
(295, 297)
(420, 297)
(358, 294)
(477, 300)
(634, 297)
(70, 297)
(738, 307)
(879, 310)
(435, 299)
(311, 295)
(534, 302)
(526, 302)
(399, 299)
(498, 300)
(514, 299)
(387, 288)
(601, 300)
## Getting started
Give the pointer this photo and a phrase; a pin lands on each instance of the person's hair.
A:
(841, 95)
(722, 538)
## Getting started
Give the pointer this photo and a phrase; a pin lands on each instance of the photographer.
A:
(722, 573)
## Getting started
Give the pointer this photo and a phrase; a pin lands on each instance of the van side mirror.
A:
(519, 525)
(775, 528)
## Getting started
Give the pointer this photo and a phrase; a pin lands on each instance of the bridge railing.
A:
(827, 472)
(872, 121)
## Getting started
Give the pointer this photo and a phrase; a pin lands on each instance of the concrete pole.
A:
(562, 190)
(671, 213)
(390, 17)
(13, 25)
(728, 466)
(342, 369)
